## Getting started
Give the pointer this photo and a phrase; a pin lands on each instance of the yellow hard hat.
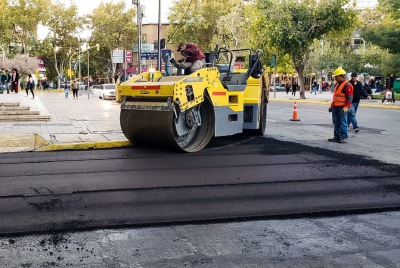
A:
(339, 72)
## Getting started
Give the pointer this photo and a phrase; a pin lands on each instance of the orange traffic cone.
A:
(295, 113)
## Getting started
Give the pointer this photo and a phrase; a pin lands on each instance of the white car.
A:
(104, 91)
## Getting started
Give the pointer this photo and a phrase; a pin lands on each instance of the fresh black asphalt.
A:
(233, 179)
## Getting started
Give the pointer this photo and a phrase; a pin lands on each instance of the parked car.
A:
(104, 91)
(280, 87)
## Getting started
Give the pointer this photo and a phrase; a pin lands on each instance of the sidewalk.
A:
(326, 97)
(74, 124)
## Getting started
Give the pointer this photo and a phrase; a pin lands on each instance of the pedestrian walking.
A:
(358, 92)
(294, 88)
(315, 88)
(287, 86)
(66, 90)
(14, 80)
(342, 98)
(75, 88)
(332, 86)
(30, 86)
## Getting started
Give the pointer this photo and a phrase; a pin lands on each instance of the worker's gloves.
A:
(177, 64)
(345, 109)
(330, 109)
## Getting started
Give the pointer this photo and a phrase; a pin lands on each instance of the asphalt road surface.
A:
(237, 178)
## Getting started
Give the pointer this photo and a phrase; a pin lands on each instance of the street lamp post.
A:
(139, 24)
(159, 36)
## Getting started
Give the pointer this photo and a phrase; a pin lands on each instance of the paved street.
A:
(289, 198)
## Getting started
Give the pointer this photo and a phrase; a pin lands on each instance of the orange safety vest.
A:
(339, 98)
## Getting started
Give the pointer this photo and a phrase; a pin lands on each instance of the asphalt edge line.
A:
(328, 102)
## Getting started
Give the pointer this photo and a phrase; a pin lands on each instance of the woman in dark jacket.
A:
(30, 86)
(14, 80)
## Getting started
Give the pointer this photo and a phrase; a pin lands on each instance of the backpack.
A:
(388, 95)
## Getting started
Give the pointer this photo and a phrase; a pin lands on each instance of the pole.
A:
(363, 48)
(139, 23)
(79, 79)
(159, 36)
(275, 82)
(88, 76)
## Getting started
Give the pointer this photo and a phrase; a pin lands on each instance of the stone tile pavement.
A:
(72, 120)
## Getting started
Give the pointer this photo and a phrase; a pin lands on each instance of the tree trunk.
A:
(301, 83)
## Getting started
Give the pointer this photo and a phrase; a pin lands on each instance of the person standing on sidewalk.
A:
(4, 78)
(30, 86)
(75, 88)
(342, 98)
(357, 93)
(14, 80)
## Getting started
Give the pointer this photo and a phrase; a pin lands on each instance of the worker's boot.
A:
(177, 64)
(334, 139)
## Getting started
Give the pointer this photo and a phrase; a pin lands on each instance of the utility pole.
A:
(79, 79)
(139, 14)
(88, 76)
(159, 36)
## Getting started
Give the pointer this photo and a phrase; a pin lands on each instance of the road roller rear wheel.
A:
(159, 128)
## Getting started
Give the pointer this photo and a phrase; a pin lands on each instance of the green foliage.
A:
(292, 26)
(113, 28)
(381, 27)
(61, 42)
(25, 15)
(199, 21)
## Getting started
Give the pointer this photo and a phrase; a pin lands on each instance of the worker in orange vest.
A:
(342, 98)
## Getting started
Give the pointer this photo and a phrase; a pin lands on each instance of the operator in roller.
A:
(194, 58)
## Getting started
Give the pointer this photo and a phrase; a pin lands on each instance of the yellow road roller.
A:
(185, 112)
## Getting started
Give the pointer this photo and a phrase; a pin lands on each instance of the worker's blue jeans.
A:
(339, 119)
(351, 119)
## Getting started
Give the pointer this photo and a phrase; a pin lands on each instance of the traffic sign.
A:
(128, 56)
(118, 56)
(149, 56)
(273, 60)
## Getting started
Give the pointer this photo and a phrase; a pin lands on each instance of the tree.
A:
(23, 63)
(381, 26)
(113, 28)
(25, 16)
(232, 29)
(293, 25)
(197, 21)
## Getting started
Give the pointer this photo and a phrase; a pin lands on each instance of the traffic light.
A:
(162, 43)
(70, 73)
(36, 73)
(98, 47)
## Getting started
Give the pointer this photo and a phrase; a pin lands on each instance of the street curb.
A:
(328, 102)
(83, 146)
(14, 143)
(304, 101)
